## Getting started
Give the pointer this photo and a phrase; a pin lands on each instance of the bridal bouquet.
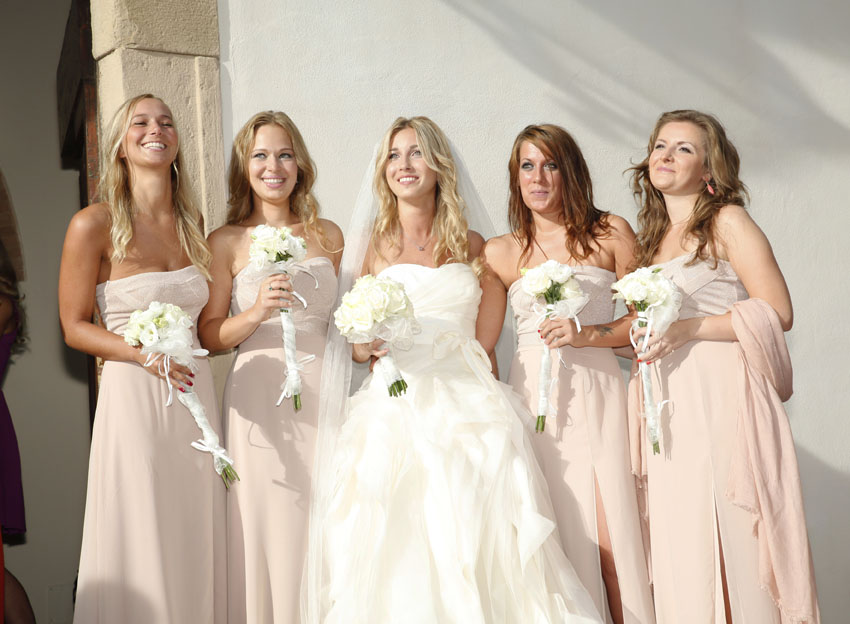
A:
(164, 331)
(378, 307)
(275, 250)
(657, 301)
(554, 283)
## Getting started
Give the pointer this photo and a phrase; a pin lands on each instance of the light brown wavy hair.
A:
(723, 164)
(302, 202)
(450, 228)
(583, 221)
(115, 191)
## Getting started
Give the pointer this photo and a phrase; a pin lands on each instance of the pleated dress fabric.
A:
(154, 532)
(690, 517)
(585, 438)
(273, 449)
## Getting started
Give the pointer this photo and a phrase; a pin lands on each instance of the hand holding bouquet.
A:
(556, 284)
(378, 307)
(657, 301)
(164, 332)
(275, 250)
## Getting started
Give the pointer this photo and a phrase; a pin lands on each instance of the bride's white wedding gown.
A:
(440, 513)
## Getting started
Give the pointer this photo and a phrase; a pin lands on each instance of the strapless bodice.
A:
(445, 299)
(706, 290)
(118, 299)
(320, 298)
(595, 283)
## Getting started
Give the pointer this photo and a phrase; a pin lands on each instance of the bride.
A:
(430, 507)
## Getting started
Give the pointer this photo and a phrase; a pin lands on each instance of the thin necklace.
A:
(422, 246)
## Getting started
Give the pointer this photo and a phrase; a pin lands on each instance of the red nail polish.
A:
(190, 383)
(191, 374)
(640, 361)
(182, 389)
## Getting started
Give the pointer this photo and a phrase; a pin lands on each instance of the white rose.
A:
(535, 282)
(361, 319)
(149, 335)
(343, 319)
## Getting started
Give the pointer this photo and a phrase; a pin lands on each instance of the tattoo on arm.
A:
(604, 330)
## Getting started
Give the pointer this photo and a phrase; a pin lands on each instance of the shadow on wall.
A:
(587, 50)
(829, 532)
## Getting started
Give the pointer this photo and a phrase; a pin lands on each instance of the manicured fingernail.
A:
(190, 383)
(191, 374)
(640, 361)
(182, 389)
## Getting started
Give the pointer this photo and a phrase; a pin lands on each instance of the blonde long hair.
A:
(450, 228)
(722, 162)
(302, 202)
(115, 191)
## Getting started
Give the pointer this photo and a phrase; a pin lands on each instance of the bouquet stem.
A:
(396, 385)
(291, 386)
(649, 406)
(210, 442)
(543, 384)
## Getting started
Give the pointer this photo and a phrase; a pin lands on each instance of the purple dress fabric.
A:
(11, 491)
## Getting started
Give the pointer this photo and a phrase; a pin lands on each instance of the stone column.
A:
(168, 48)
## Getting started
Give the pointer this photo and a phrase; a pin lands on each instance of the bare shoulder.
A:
(620, 228)
(333, 232)
(227, 236)
(500, 247)
(732, 216)
(91, 221)
(476, 243)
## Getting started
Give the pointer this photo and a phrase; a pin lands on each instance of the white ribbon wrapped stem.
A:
(545, 383)
(292, 384)
(288, 388)
(210, 442)
(650, 408)
(392, 375)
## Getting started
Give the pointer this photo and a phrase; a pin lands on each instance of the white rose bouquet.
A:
(164, 331)
(554, 283)
(378, 307)
(275, 250)
(657, 301)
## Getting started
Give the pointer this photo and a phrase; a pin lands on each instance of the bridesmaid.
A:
(153, 538)
(583, 450)
(723, 417)
(271, 179)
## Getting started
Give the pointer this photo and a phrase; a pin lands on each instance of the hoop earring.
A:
(709, 188)
(177, 176)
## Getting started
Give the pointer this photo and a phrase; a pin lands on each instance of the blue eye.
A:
(392, 156)
(259, 156)
(286, 156)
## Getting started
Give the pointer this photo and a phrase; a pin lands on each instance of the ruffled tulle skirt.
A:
(440, 512)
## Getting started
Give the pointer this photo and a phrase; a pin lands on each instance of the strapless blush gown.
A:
(587, 439)
(273, 448)
(154, 531)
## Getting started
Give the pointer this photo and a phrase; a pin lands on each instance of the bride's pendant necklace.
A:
(423, 245)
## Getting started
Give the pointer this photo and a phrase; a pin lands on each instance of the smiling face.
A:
(272, 169)
(540, 181)
(151, 139)
(408, 175)
(677, 160)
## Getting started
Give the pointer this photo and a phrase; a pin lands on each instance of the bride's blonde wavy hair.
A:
(302, 202)
(115, 192)
(721, 161)
(450, 228)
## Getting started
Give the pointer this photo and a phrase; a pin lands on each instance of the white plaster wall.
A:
(46, 386)
(775, 72)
